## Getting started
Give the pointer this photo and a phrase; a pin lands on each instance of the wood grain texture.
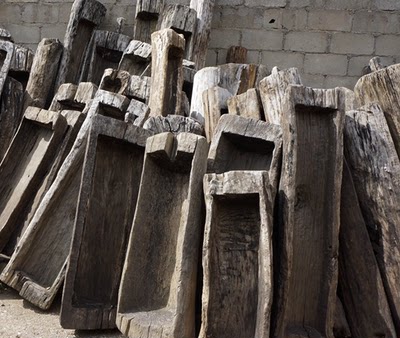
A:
(360, 282)
(24, 168)
(309, 203)
(383, 86)
(375, 168)
(341, 327)
(21, 64)
(85, 16)
(236, 78)
(137, 113)
(158, 288)
(247, 105)
(37, 267)
(5, 35)
(166, 73)
(237, 255)
(173, 124)
(273, 89)
(107, 200)
(246, 144)
(73, 97)
(147, 13)
(105, 50)
(136, 58)
(6, 55)
(236, 54)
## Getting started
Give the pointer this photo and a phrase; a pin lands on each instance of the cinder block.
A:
(316, 42)
(325, 64)
(25, 33)
(262, 39)
(10, 13)
(387, 5)
(39, 13)
(330, 20)
(211, 58)
(282, 59)
(347, 4)
(272, 18)
(263, 3)
(224, 38)
(53, 31)
(357, 63)
(253, 56)
(388, 45)
(376, 22)
(299, 3)
(347, 43)
(341, 81)
(241, 17)
(229, 2)
(64, 12)
(294, 19)
(312, 80)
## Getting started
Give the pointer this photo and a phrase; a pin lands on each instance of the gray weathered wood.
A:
(360, 281)
(6, 55)
(236, 54)
(375, 64)
(204, 10)
(273, 89)
(166, 73)
(85, 16)
(237, 255)
(247, 105)
(21, 64)
(24, 168)
(137, 113)
(183, 20)
(236, 78)
(40, 87)
(158, 288)
(383, 86)
(309, 212)
(246, 144)
(107, 199)
(174, 124)
(5, 35)
(188, 77)
(214, 106)
(147, 13)
(37, 267)
(73, 97)
(136, 58)
(375, 168)
(10, 112)
(105, 50)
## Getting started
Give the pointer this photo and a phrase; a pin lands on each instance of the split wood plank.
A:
(236, 78)
(21, 64)
(174, 124)
(273, 90)
(37, 267)
(375, 168)
(64, 97)
(5, 35)
(105, 50)
(73, 97)
(6, 55)
(360, 282)
(136, 58)
(137, 113)
(246, 144)
(107, 199)
(247, 105)
(182, 19)
(236, 54)
(166, 73)
(24, 167)
(237, 255)
(158, 287)
(309, 212)
(10, 112)
(85, 16)
(188, 77)
(383, 86)
(204, 10)
(40, 86)
(146, 19)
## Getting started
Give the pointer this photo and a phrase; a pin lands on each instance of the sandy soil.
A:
(20, 319)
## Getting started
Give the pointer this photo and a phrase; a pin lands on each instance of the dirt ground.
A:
(20, 319)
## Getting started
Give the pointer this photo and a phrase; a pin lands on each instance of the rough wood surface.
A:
(188, 77)
(105, 50)
(204, 10)
(273, 89)
(40, 88)
(236, 54)
(166, 73)
(309, 213)
(147, 13)
(183, 20)
(174, 124)
(341, 327)
(375, 64)
(214, 106)
(360, 282)
(136, 58)
(6, 55)
(137, 113)
(236, 78)
(5, 35)
(73, 97)
(107, 199)
(383, 86)
(246, 144)
(85, 16)
(158, 288)
(237, 255)
(37, 267)
(375, 168)
(64, 97)
(24, 167)
(10, 112)
(247, 105)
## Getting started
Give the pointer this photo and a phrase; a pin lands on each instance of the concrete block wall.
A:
(330, 41)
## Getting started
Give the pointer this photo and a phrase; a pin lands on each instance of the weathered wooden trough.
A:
(170, 200)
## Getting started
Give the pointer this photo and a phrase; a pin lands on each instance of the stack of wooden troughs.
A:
(175, 201)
